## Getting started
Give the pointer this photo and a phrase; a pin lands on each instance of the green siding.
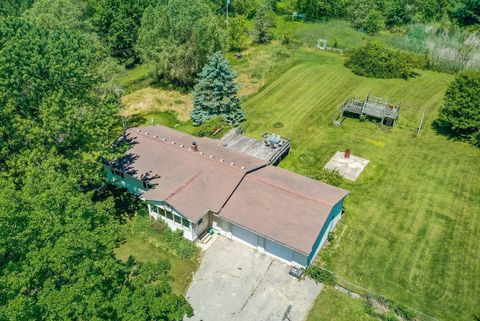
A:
(129, 182)
(336, 210)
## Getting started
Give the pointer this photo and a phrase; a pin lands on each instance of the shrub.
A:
(159, 232)
(460, 114)
(209, 127)
(331, 237)
(378, 61)
(329, 177)
(320, 275)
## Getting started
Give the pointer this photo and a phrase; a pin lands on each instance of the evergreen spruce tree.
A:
(216, 93)
(264, 22)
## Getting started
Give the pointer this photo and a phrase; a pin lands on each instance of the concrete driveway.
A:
(235, 282)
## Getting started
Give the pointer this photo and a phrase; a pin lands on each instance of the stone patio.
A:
(350, 168)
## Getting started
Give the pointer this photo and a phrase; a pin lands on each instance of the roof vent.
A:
(221, 159)
(173, 143)
(195, 147)
(211, 156)
(243, 167)
(163, 139)
(146, 133)
(232, 163)
(181, 145)
(155, 136)
(202, 153)
(139, 130)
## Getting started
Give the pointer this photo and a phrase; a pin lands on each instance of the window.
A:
(162, 211)
(185, 222)
(170, 215)
(154, 209)
(200, 221)
(178, 219)
(118, 173)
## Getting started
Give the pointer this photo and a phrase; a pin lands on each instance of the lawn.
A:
(333, 305)
(412, 219)
(181, 270)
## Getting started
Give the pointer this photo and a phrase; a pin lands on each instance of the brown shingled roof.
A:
(192, 182)
(282, 206)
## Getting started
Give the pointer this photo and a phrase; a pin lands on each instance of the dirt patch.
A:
(150, 99)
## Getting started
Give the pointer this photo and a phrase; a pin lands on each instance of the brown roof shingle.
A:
(283, 206)
(192, 182)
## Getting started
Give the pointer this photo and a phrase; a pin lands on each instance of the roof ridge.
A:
(291, 192)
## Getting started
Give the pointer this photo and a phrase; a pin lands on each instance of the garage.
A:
(244, 236)
(278, 250)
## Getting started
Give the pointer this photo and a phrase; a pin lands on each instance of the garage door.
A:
(278, 250)
(244, 236)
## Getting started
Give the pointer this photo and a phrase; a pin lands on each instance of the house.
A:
(194, 184)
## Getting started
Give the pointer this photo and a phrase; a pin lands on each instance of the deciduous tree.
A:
(237, 31)
(460, 113)
(177, 37)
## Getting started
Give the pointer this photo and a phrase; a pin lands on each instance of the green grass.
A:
(136, 78)
(167, 119)
(308, 33)
(181, 270)
(333, 305)
(412, 219)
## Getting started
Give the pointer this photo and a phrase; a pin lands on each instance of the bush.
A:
(158, 232)
(320, 275)
(208, 128)
(331, 237)
(329, 177)
(460, 114)
(378, 61)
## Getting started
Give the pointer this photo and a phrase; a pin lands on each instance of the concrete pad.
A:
(350, 168)
(236, 282)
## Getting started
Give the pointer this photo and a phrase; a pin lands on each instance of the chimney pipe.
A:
(347, 153)
(194, 146)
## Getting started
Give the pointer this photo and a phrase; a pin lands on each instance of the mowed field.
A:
(412, 219)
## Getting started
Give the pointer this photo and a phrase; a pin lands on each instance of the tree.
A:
(319, 8)
(56, 255)
(177, 37)
(57, 240)
(117, 23)
(358, 11)
(264, 22)
(65, 13)
(237, 32)
(51, 102)
(460, 113)
(374, 22)
(14, 7)
(216, 93)
(466, 12)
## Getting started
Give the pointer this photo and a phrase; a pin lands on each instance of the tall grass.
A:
(448, 51)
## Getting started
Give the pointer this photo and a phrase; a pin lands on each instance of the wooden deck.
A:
(256, 148)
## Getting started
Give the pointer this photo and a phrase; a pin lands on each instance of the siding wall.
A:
(129, 182)
(258, 242)
(332, 220)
